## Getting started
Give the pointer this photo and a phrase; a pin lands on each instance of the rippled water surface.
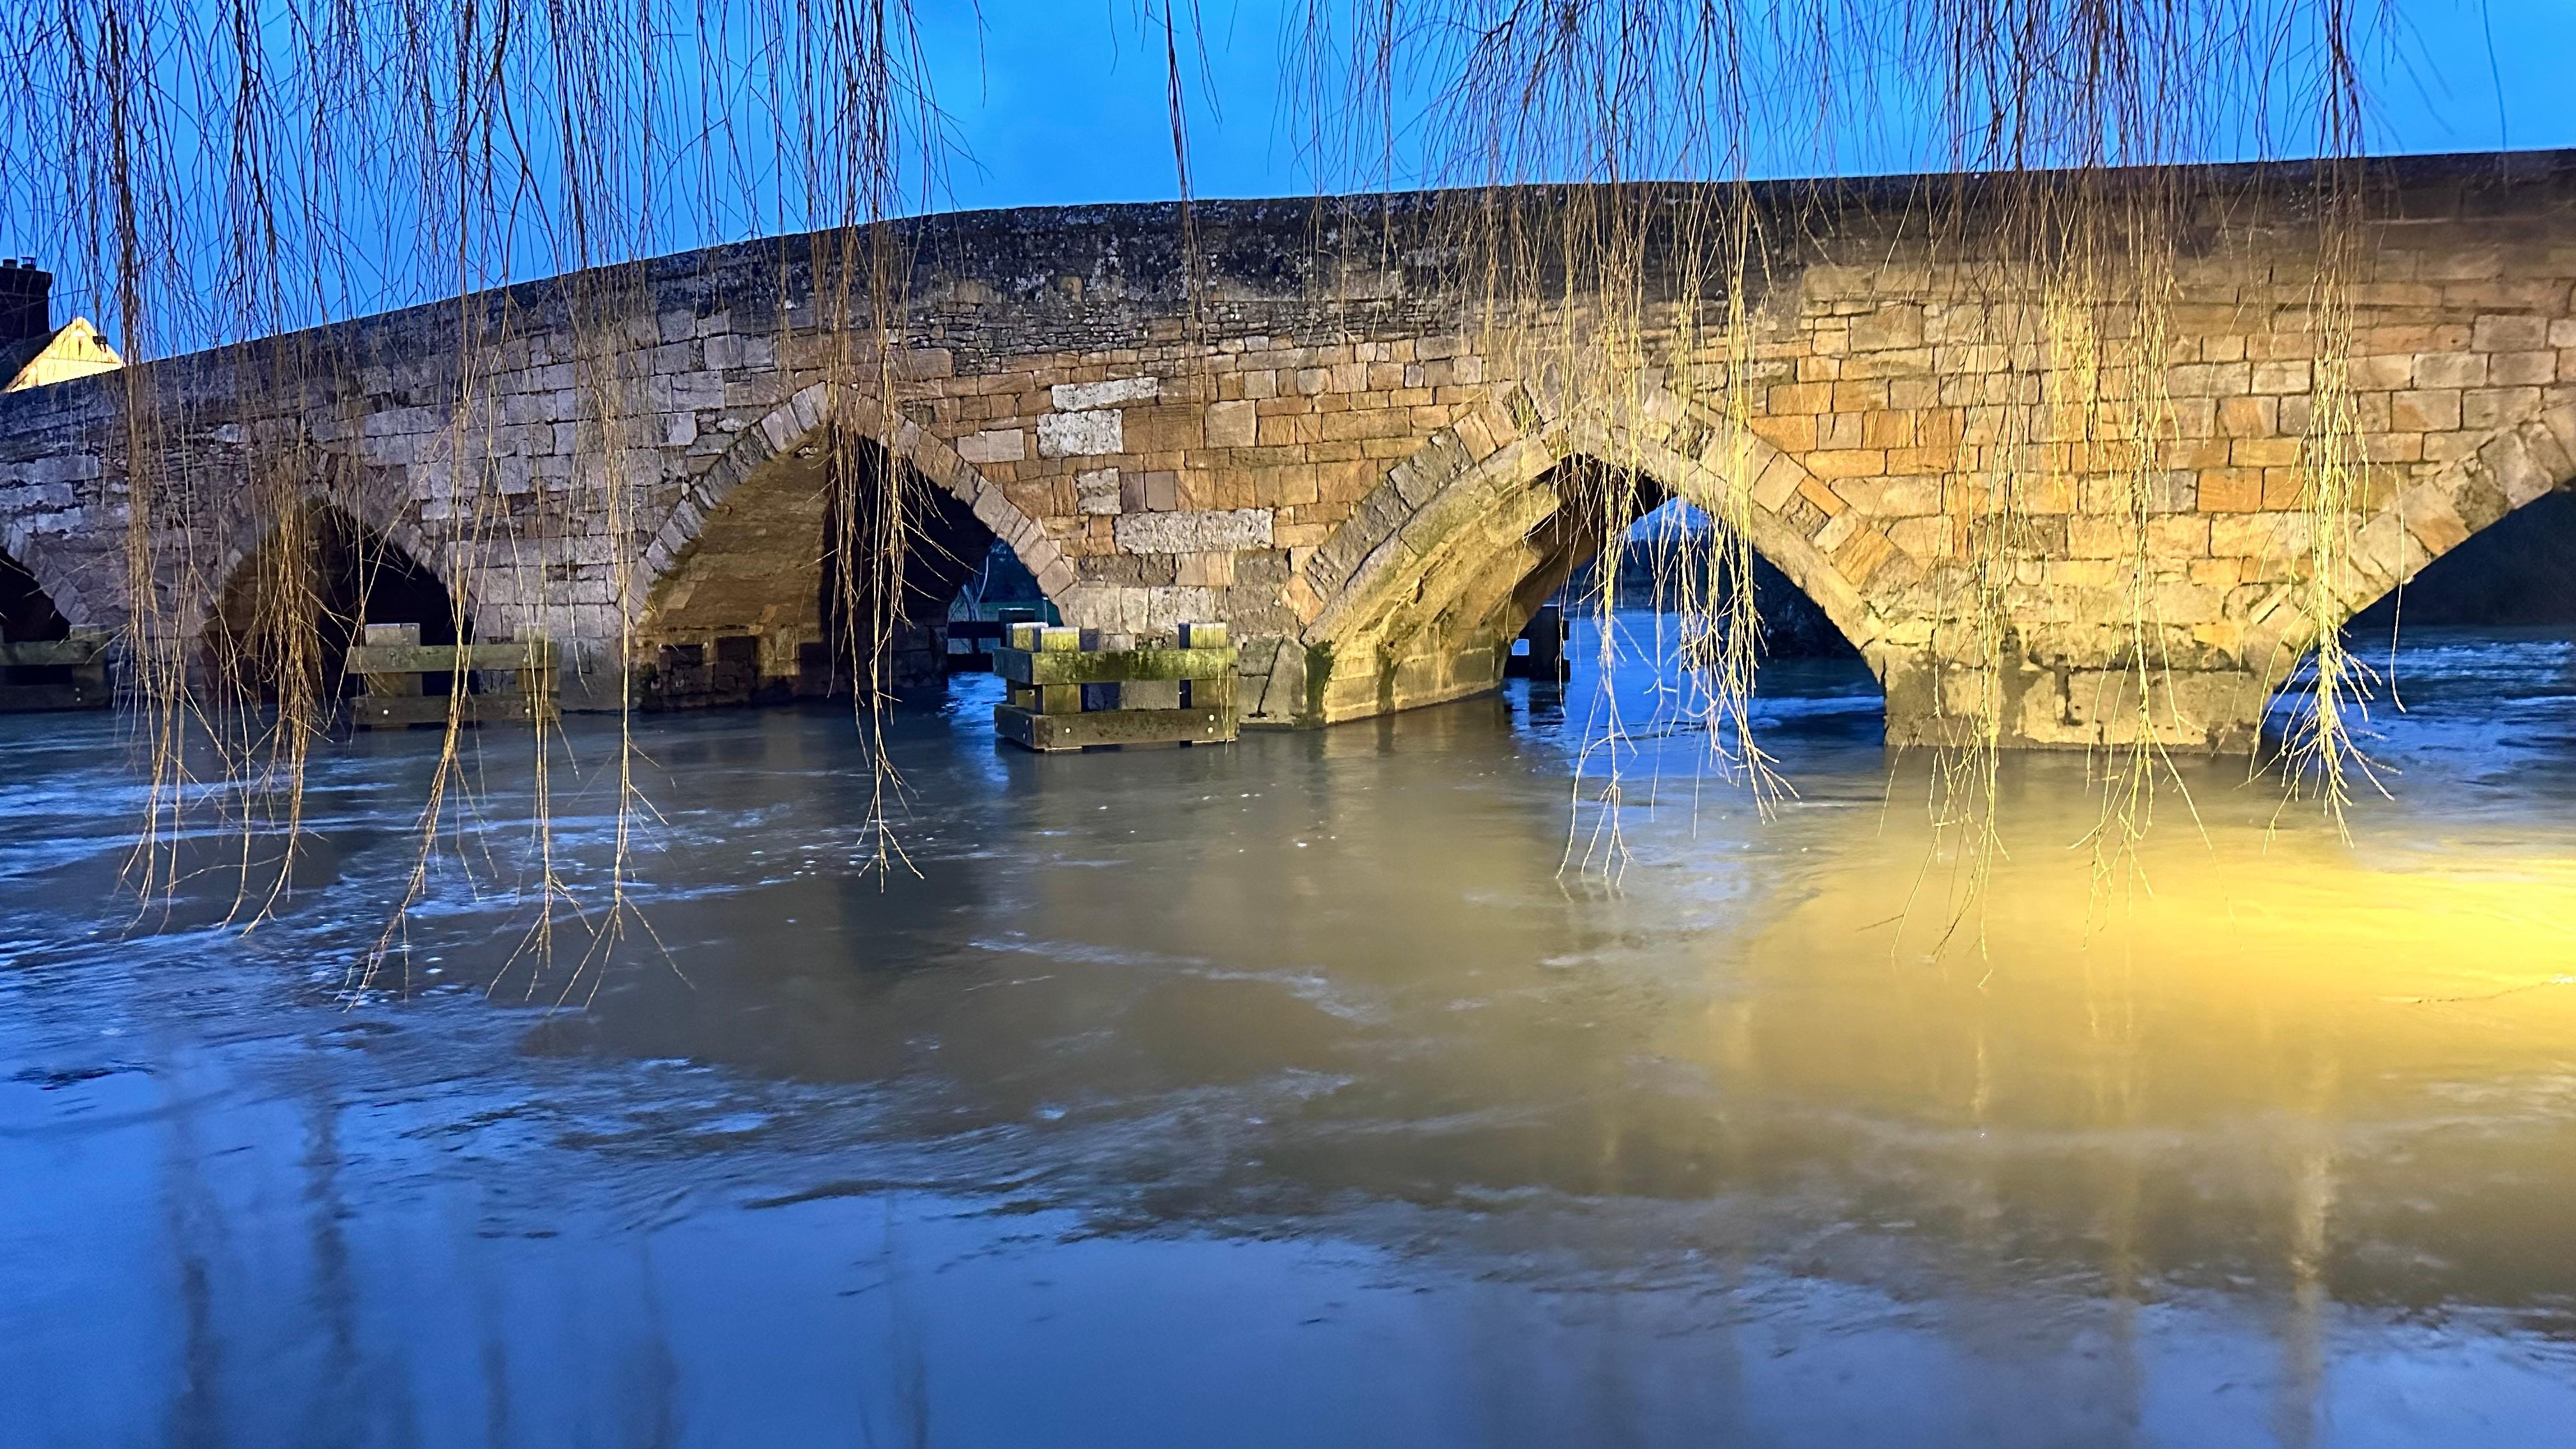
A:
(1294, 1093)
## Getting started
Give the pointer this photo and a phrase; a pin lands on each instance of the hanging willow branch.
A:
(2060, 123)
(223, 171)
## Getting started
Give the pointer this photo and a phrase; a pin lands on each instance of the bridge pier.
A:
(2071, 707)
(1930, 702)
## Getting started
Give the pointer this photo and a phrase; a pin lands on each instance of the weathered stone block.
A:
(994, 445)
(1080, 434)
(1206, 570)
(2450, 370)
(1232, 425)
(1085, 396)
(1097, 492)
(2509, 334)
(1194, 532)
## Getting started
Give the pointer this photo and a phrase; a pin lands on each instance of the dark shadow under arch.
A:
(2517, 572)
(757, 605)
(942, 545)
(27, 612)
(46, 679)
(286, 617)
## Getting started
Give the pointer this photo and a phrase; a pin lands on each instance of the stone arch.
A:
(2421, 522)
(2518, 572)
(1425, 540)
(80, 607)
(741, 553)
(792, 424)
(253, 516)
(359, 574)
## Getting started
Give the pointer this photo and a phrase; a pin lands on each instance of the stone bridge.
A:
(1317, 443)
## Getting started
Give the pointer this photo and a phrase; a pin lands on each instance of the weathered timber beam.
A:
(51, 653)
(1021, 666)
(448, 658)
(19, 698)
(1113, 727)
(398, 711)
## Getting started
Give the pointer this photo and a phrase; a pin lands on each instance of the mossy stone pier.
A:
(1319, 445)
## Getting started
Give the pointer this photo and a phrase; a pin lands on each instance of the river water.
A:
(1298, 1093)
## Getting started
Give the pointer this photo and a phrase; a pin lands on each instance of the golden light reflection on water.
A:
(2237, 957)
(2343, 1069)
(2273, 1060)
(2175, 1163)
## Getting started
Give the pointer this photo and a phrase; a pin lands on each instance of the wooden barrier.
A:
(55, 674)
(683, 677)
(398, 667)
(1066, 697)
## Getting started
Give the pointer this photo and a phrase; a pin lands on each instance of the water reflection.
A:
(1292, 1093)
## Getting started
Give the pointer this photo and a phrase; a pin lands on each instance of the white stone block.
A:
(1080, 435)
(1077, 396)
(1195, 532)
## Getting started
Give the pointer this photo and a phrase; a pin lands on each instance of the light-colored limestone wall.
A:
(1333, 459)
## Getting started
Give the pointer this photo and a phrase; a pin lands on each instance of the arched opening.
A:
(288, 614)
(955, 582)
(27, 612)
(41, 666)
(1459, 616)
(1667, 561)
(2516, 573)
(2478, 634)
(759, 606)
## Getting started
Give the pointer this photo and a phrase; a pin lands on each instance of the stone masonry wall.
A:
(1322, 447)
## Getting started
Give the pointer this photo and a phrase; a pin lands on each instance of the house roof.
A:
(72, 350)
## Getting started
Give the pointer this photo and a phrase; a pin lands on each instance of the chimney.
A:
(26, 300)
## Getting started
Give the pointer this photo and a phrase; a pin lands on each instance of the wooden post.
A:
(391, 636)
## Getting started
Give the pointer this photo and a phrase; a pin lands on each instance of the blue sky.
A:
(1062, 101)
(1043, 127)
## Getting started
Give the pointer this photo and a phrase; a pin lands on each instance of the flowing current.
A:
(1311, 1090)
